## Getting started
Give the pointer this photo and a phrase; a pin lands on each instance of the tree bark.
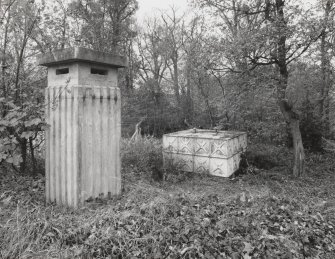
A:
(206, 99)
(3, 64)
(23, 147)
(325, 70)
(176, 77)
(32, 153)
(287, 110)
(298, 148)
(188, 103)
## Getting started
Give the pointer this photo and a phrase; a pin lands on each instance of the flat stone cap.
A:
(79, 54)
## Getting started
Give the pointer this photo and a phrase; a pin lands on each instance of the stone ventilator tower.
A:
(83, 111)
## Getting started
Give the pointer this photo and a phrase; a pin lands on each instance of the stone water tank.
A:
(205, 151)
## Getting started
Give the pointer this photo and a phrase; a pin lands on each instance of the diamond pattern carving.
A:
(205, 151)
(201, 147)
(219, 149)
(185, 145)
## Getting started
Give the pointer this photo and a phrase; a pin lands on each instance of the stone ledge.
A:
(80, 54)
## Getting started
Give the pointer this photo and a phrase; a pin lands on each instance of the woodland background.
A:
(222, 65)
(261, 66)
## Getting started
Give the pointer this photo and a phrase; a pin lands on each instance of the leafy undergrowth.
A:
(268, 214)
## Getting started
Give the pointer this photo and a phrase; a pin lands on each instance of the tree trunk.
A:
(287, 110)
(23, 147)
(129, 71)
(188, 103)
(325, 71)
(3, 64)
(206, 99)
(298, 149)
(32, 153)
(115, 16)
(176, 79)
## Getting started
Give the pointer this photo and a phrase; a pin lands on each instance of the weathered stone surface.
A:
(83, 111)
(215, 152)
(79, 74)
(77, 54)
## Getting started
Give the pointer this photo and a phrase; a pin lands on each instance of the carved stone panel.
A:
(205, 151)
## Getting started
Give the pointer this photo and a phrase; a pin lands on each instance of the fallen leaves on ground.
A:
(191, 219)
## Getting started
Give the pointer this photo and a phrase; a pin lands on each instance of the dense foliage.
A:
(264, 214)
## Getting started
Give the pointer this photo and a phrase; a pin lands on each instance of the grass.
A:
(268, 214)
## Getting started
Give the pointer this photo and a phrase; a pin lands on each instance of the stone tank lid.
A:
(206, 134)
(80, 54)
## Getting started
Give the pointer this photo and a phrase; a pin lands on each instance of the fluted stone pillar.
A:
(83, 112)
